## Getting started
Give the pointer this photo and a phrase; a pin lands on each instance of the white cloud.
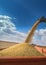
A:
(43, 39)
(6, 24)
(8, 30)
(5, 17)
(40, 37)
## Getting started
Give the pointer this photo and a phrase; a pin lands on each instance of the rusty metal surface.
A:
(23, 60)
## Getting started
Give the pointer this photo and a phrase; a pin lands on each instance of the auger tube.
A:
(31, 32)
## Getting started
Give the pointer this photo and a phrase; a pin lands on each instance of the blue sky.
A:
(25, 11)
(17, 18)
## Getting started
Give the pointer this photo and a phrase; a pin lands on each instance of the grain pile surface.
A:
(23, 49)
